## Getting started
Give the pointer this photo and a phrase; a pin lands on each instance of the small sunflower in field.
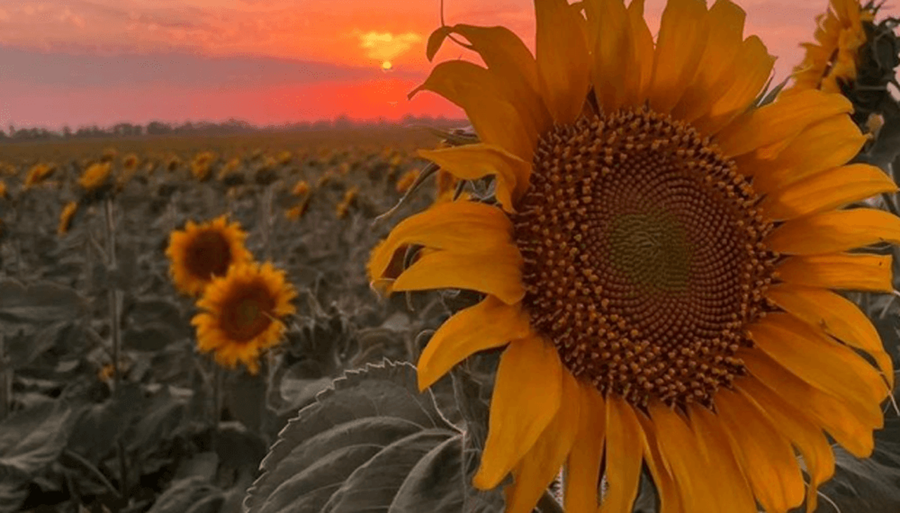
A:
(66, 217)
(301, 188)
(658, 262)
(130, 162)
(173, 163)
(202, 252)
(201, 166)
(95, 176)
(834, 57)
(3, 193)
(297, 211)
(407, 180)
(39, 173)
(349, 200)
(243, 314)
(109, 155)
(446, 186)
(285, 157)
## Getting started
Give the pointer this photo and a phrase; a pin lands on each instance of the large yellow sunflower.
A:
(243, 314)
(201, 252)
(660, 266)
(833, 57)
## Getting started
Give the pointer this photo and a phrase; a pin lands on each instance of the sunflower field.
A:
(642, 279)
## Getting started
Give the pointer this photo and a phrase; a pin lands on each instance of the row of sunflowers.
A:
(646, 280)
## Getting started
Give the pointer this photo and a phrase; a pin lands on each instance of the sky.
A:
(82, 62)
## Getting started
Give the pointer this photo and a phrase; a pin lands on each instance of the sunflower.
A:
(95, 176)
(833, 58)
(202, 252)
(3, 193)
(658, 265)
(38, 174)
(66, 217)
(243, 313)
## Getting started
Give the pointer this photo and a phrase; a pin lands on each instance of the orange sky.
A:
(265, 61)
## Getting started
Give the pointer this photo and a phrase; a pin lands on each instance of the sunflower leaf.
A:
(370, 442)
(871, 484)
(41, 303)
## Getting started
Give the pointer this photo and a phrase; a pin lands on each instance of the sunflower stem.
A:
(265, 219)
(6, 380)
(115, 334)
(217, 404)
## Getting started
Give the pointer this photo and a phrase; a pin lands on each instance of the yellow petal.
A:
(840, 271)
(823, 146)
(679, 48)
(643, 46)
(527, 395)
(826, 191)
(583, 466)
(496, 272)
(562, 59)
(729, 484)
(820, 361)
(767, 457)
(744, 84)
(780, 121)
(489, 324)
(726, 28)
(831, 232)
(474, 161)
(615, 73)
(669, 499)
(836, 315)
(458, 226)
(481, 94)
(689, 462)
(542, 463)
(624, 456)
(507, 56)
(803, 434)
(845, 422)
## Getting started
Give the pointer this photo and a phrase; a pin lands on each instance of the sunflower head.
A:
(200, 253)
(96, 177)
(66, 217)
(832, 60)
(350, 198)
(242, 314)
(657, 260)
(38, 174)
(3, 193)
(301, 188)
(407, 180)
(130, 162)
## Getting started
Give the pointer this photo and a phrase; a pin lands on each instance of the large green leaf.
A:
(31, 439)
(41, 303)
(371, 442)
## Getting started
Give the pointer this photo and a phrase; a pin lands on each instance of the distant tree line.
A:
(232, 126)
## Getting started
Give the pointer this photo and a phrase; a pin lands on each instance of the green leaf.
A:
(363, 442)
(32, 439)
(21, 351)
(41, 303)
(870, 484)
(191, 494)
(98, 426)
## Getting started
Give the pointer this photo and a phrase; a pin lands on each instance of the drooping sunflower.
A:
(38, 173)
(243, 313)
(199, 253)
(833, 58)
(660, 264)
(66, 217)
(95, 176)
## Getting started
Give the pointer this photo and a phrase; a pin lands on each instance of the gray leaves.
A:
(372, 442)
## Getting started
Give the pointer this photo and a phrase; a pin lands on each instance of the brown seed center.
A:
(208, 255)
(643, 256)
(248, 313)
